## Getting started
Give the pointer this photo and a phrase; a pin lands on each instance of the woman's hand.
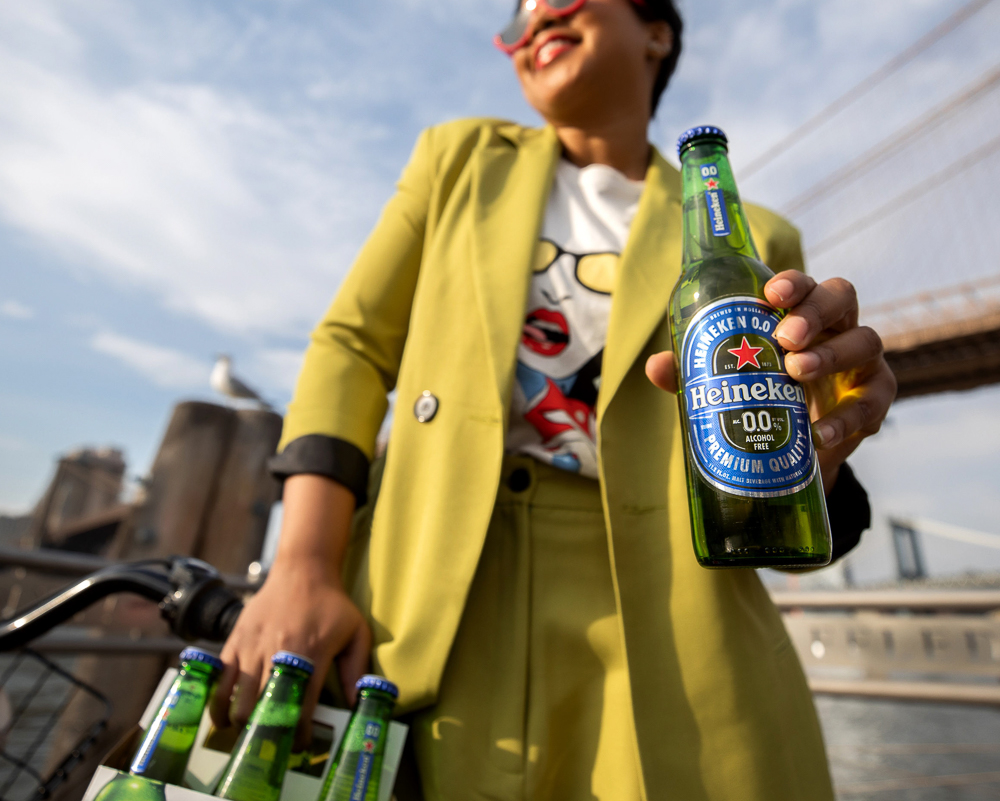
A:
(298, 610)
(850, 384)
(302, 608)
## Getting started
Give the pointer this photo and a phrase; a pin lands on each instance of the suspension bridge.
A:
(908, 210)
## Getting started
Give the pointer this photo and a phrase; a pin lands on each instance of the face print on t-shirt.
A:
(587, 220)
(559, 357)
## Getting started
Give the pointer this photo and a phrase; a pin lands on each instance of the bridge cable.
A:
(892, 144)
(907, 197)
(969, 289)
(862, 88)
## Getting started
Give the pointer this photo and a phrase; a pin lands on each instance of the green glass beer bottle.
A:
(164, 752)
(355, 773)
(258, 762)
(126, 787)
(754, 487)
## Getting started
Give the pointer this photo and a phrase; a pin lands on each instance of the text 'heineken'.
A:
(357, 768)
(166, 748)
(754, 487)
(259, 760)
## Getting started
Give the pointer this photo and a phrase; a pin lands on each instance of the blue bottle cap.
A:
(292, 660)
(199, 655)
(699, 132)
(373, 682)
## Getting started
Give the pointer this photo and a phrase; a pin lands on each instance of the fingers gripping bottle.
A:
(355, 774)
(754, 487)
(257, 765)
(164, 752)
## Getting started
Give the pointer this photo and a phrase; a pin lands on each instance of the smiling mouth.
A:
(551, 50)
(546, 332)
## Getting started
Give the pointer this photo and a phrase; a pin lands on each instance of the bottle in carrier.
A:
(258, 762)
(126, 787)
(355, 773)
(754, 487)
(164, 752)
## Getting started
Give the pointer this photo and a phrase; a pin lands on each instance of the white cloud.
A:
(221, 209)
(164, 367)
(16, 311)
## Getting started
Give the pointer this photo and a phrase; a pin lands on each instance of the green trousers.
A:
(534, 702)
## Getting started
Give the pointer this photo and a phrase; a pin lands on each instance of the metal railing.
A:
(889, 600)
(898, 644)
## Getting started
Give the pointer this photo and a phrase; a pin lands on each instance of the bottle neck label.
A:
(718, 218)
(748, 421)
(152, 740)
(363, 774)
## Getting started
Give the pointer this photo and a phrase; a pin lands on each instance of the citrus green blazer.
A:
(436, 302)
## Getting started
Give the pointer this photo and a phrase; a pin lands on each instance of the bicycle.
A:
(194, 600)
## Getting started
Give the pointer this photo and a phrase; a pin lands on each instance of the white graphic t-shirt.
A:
(585, 229)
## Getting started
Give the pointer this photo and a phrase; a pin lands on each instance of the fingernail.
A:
(805, 363)
(783, 288)
(794, 329)
(824, 434)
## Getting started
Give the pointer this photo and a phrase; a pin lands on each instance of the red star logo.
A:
(746, 354)
(711, 183)
(369, 746)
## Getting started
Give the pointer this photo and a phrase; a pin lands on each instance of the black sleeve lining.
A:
(849, 510)
(326, 456)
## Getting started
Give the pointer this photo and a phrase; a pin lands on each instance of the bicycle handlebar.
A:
(192, 597)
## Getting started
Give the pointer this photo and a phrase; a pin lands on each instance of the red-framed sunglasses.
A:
(517, 32)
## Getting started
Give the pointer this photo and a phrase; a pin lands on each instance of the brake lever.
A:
(200, 605)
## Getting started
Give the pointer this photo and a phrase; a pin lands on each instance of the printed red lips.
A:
(545, 332)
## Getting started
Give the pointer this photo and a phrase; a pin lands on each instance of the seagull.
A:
(224, 382)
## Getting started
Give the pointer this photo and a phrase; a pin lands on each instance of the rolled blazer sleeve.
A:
(354, 354)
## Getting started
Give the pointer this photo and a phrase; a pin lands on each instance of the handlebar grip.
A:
(210, 614)
(227, 620)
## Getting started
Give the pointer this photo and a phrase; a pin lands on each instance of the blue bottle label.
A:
(141, 761)
(718, 217)
(362, 774)
(748, 421)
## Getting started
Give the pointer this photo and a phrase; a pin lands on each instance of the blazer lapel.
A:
(509, 193)
(648, 270)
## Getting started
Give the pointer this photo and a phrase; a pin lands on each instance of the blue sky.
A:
(183, 179)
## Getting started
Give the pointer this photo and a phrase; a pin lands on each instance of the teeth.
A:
(548, 50)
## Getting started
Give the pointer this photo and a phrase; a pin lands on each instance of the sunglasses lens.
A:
(515, 29)
(511, 36)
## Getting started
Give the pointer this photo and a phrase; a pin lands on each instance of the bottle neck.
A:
(714, 221)
(197, 671)
(375, 703)
(286, 686)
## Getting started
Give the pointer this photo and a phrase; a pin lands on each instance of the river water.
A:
(911, 751)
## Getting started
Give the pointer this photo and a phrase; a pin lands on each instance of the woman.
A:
(526, 576)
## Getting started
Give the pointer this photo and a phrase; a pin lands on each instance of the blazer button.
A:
(426, 407)
(519, 480)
